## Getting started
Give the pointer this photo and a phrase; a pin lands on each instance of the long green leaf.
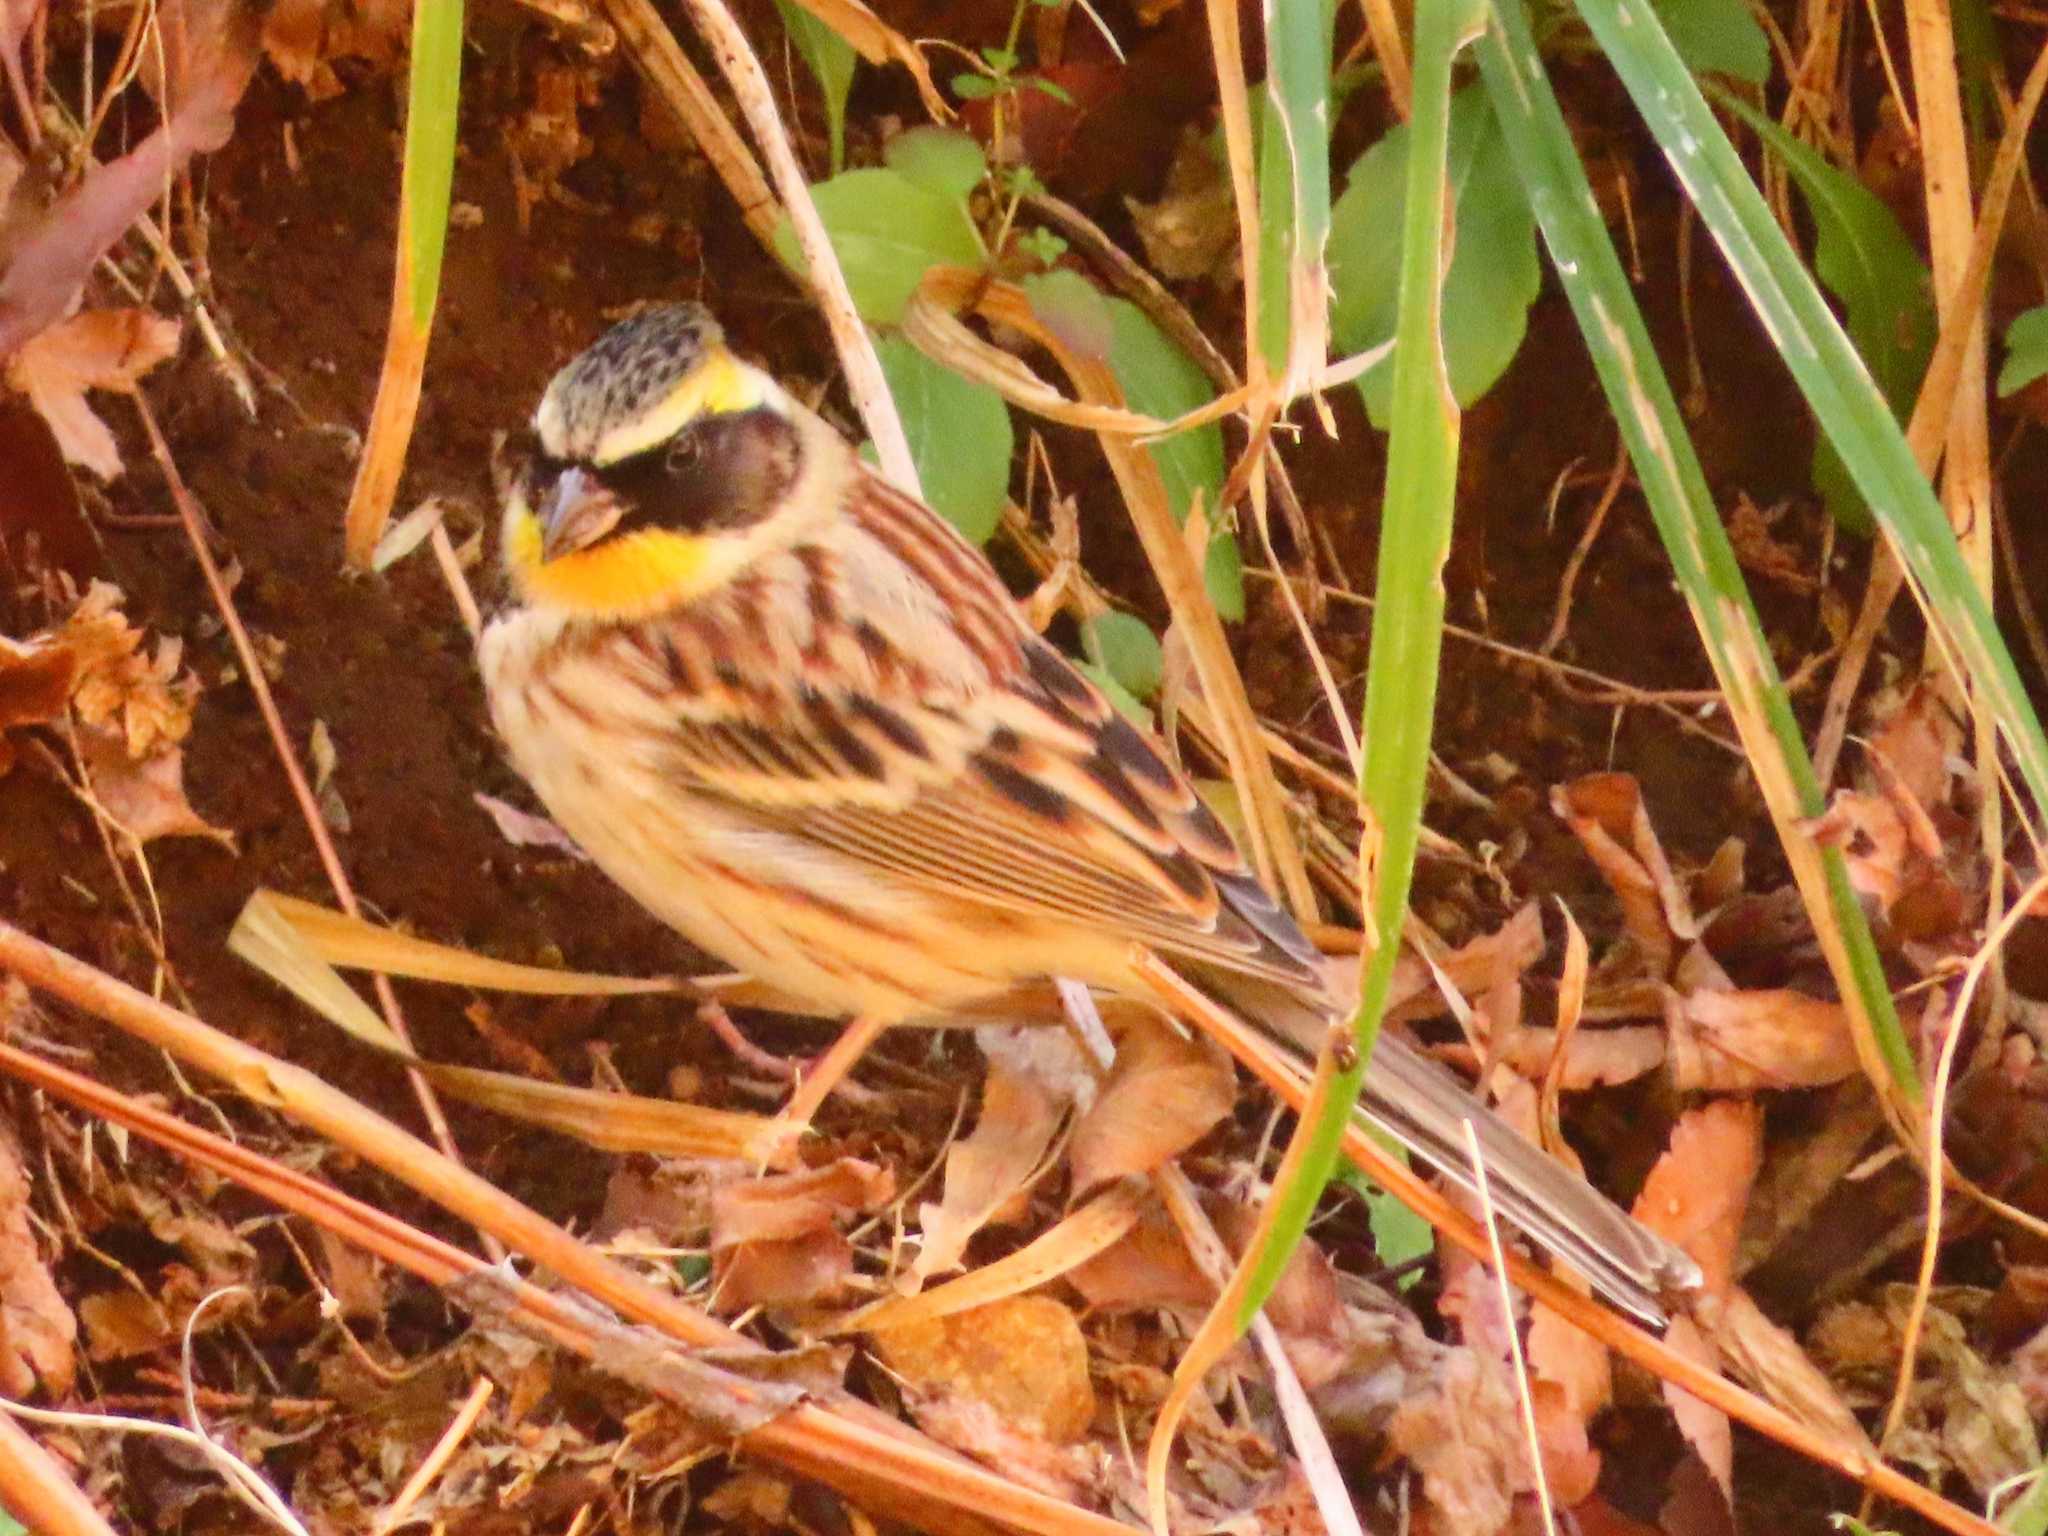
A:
(1675, 487)
(1823, 363)
(1407, 628)
(428, 183)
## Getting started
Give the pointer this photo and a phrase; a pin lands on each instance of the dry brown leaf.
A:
(210, 46)
(1023, 1357)
(1165, 1093)
(1966, 1415)
(1698, 1190)
(1916, 736)
(1760, 550)
(776, 1241)
(547, 139)
(1593, 1058)
(1571, 1467)
(145, 796)
(987, 1170)
(36, 677)
(146, 695)
(38, 1334)
(1706, 1428)
(1770, 1360)
(1606, 812)
(98, 349)
(303, 38)
(1736, 1041)
(1464, 1436)
(1415, 993)
(523, 829)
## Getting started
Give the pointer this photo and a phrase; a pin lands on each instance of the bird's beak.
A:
(575, 511)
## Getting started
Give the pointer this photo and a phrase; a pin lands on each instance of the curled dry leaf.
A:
(144, 700)
(1593, 1058)
(1698, 1190)
(1166, 1091)
(38, 1334)
(1769, 1358)
(1606, 812)
(98, 349)
(776, 1241)
(145, 796)
(1023, 1357)
(1509, 950)
(988, 1170)
(211, 49)
(1736, 1041)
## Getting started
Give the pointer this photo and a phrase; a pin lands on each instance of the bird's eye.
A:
(683, 452)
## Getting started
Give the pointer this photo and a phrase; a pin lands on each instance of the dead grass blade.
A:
(359, 945)
(272, 935)
(38, 1493)
(1610, 1328)
(1087, 1232)
(668, 70)
(837, 1440)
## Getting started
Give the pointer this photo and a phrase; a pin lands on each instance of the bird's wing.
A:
(935, 739)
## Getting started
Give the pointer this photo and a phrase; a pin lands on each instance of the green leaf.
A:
(1717, 37)
(832, 60)
(975, 87)
(1125, 647)
(941, 160)
(960, 437)
(433, 93)
(2026, 351)
(1001, 60)
(1399, 1236)
(1494, 275)
(1119, 697)
(1074, 310)
(1052, 88)
(1864, 259)
(886, 230)
(1162, 381)
(1042, 245)
(692, 1268)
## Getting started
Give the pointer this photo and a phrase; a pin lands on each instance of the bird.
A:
(800, 719)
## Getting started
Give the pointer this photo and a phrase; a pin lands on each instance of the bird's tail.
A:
(1424, 1108)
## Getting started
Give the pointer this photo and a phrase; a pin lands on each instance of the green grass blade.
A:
(1407, 628)
(1675, 487)
(428, 185)
(1838, 389)
(1294, 188)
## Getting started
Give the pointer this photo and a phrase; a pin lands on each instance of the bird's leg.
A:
(825, 1073)
(711, 1013)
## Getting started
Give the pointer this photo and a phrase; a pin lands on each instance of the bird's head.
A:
(658, 464)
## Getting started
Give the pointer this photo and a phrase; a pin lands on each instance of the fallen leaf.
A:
(211, 47)
(149, 697)
(1191, 233)
(1699, 1188)
(1706, 1428)
(303, 39)
(36, 678)
(1166, 1091)
(1022, 1357)
(1463, 1435)
(145, 796)
(97, 349)
(38, 1334)
(1737, 1041)
(523, 829)
(775, 1241)
(1606, 812)
(988, 1169)
(1769, 1358)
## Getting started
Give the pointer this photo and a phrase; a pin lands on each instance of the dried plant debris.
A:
(107, 349)
(131, 706)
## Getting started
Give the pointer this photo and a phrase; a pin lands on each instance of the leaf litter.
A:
(1702, 987)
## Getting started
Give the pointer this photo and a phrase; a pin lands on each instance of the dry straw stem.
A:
(1275, 852)
(662, 62)
(1609, 1328)
(36, 1491)
(864, 381)
(391, 417)
(843, 1443)
(879, 43)
(1934, 407)
(195, 522)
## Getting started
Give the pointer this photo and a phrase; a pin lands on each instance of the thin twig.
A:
(288, 757)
